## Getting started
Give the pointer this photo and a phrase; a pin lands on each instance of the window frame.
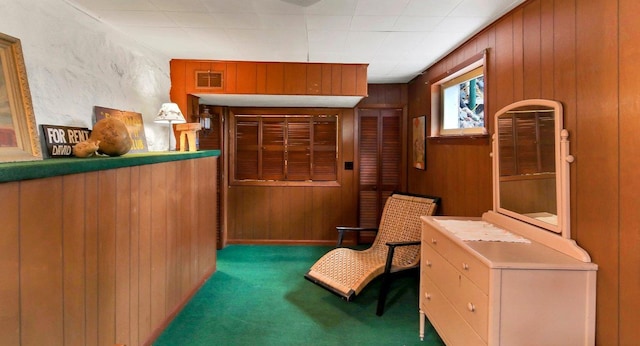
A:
(462, 72)
(292, 115)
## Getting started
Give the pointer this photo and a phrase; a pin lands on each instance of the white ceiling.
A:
(397, 38)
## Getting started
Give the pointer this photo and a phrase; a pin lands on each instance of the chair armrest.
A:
(403, 243)
(342, 229)
(392, 247)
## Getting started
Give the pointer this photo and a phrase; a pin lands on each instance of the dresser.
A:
(503, 292)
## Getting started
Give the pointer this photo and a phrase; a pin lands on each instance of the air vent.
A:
(209, 79)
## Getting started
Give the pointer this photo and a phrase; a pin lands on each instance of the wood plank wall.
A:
(295, 214)
(457, 170)
(273, 78)
(584, 54)
(106, 257)
(267, 78)
(279, 214)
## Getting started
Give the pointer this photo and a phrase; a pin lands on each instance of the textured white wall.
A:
(74, 63)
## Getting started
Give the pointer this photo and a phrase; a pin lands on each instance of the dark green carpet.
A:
(258, 296)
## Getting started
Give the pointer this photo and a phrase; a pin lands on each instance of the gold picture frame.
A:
(18, 130)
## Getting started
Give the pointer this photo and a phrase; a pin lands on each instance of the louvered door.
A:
(380, 139)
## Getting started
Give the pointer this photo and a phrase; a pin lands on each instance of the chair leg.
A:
(382, 297)
(386, 281)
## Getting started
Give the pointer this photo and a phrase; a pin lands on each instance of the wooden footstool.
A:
(188, 132)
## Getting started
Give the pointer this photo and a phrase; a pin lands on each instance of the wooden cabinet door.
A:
(213, 139)
(380, 138)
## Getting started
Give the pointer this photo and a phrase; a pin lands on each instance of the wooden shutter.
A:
(530, 148)
(547, 140)
(247, 149)
(526, 144)
(506, 144)
(368, 145)
(273, 145)
(368, 150)
(390, 151)
(325, 164)
(299, 149)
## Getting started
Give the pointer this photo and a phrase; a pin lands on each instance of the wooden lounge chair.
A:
(396, 248)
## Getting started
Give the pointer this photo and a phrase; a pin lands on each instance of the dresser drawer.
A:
(445, 319)
(470, 302)
(469, 266)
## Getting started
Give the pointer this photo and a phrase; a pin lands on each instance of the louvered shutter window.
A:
(299, 149)
(325, 149)
(273, 149)
(286, 148)
(247, 149)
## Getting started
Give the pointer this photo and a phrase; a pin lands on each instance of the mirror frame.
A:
(562, 161)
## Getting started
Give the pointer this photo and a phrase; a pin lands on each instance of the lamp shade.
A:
(170, 114)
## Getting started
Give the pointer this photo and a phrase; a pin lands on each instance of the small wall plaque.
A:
(61, 139)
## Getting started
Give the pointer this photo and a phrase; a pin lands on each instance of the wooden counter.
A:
(103, 251)
(13, 171)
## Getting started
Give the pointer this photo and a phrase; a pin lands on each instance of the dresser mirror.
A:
(531, 164)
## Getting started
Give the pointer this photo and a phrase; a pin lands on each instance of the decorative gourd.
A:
(113, 137)
(86, 148)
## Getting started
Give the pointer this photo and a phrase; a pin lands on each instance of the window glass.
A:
(463, 101)
(457, 101)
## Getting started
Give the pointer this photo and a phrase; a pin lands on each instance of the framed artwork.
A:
(419, 143)
(18, 130)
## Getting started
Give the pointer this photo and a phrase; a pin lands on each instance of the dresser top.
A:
(507, 254)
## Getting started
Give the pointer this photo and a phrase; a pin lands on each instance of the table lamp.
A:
(170, 114)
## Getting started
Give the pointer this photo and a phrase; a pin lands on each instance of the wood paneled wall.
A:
(268, 78)
(297, 214)
(385, 96)
(303, 215)
(457, 170)
(105, 257)
(584, 54)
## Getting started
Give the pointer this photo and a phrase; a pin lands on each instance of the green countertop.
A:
(15, 171)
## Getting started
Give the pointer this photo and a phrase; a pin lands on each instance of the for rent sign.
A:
(61, 139)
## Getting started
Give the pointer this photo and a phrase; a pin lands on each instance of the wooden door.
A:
(213, 139)
(379, 160)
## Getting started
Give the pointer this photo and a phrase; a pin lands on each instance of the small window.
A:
(457, 100)
(291, 148)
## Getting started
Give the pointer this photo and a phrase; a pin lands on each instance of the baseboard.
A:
(280, 242)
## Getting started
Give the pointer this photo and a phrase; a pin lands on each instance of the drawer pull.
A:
(465, 266)
(471, 307)
(434, 241)
(427, 295)
(428, 263)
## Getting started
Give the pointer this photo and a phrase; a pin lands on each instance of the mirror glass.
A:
(526, 160)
